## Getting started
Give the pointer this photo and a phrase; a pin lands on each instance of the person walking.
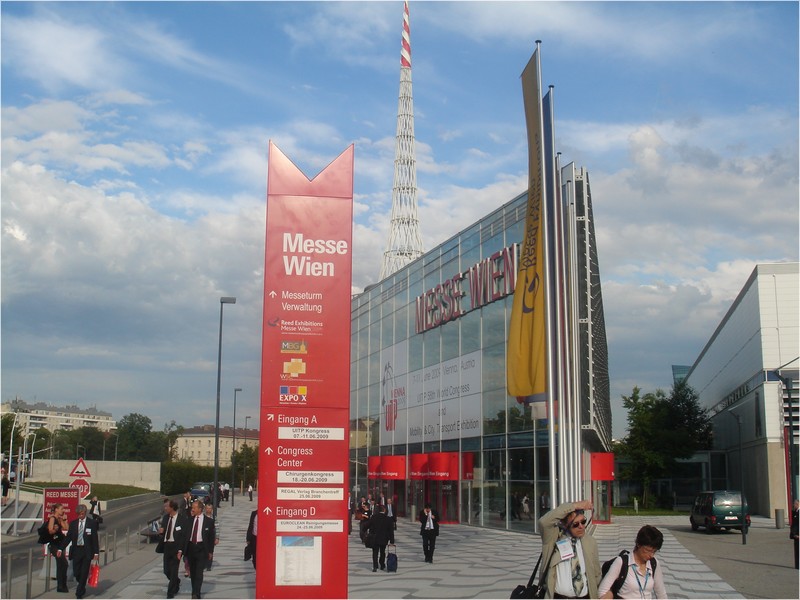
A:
(794, 530)
(82, 534)
(526, 506)
(390, 512)
(642, 580)
(200, 547)
(6, 485)
(186, 504)
(209, 509)
(381, 528)
(250, 491)
(57, 526)
(94, 511)
(252, 535)
(569, 553)
(174, 528)
(429, 530)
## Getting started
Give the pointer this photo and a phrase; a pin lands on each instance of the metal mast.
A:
(405, 241)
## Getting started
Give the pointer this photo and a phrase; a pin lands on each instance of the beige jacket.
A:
(548, 525)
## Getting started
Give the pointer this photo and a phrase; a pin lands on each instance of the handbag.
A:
(44, 534)
(248, 552)
(532, 590)
(160, 546)
(369, 540)
(94, 574)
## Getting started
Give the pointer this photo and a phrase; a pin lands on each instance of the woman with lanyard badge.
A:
(644, 579)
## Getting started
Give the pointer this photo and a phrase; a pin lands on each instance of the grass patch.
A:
(103, 491)
(627, 511)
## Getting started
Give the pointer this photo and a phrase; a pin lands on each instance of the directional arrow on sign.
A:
(272, 294)
(267, 510)
(270, 417)
(268, 450)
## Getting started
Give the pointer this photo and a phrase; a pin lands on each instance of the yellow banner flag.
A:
(526, 364)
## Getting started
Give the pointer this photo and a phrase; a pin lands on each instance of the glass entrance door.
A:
(443, 496)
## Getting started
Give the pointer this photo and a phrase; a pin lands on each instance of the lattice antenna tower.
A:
(405, 241)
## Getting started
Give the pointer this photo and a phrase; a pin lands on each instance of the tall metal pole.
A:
(233, 454)
(247, 418)
(741, 477)
(215, 492)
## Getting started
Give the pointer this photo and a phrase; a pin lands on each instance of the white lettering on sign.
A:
(311, 493)
(310, 525)
(310, 476)
(310, 433)
(298, 251)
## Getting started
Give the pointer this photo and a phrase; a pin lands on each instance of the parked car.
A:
(719, 509)
(201, 493)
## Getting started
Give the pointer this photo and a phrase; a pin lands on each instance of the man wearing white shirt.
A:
(429, 529)
(200, 546)
(174, 528)
(85, 547)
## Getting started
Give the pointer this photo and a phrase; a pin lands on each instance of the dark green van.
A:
(719, 509)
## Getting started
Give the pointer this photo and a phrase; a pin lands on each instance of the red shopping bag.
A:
(94, 575)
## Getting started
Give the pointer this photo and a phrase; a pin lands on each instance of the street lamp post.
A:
(233, 454)
(741, 476)
(105, 439)
(247, 418)
(215, 492)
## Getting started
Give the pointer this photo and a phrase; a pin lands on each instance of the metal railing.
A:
(18, 567)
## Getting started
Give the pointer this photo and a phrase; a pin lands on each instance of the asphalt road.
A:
(762, 568)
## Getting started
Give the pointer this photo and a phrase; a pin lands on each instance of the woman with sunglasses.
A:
(643, 579)
(569, 553)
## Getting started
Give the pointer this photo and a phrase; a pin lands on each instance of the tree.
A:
(134, 437)
(172, 431)
(661, 430)
(246, 456)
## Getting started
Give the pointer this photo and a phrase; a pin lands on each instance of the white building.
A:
(197, 444)
(747, 377)
(31, 417)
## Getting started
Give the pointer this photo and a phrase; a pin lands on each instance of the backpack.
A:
(623, 571)
(44, 534)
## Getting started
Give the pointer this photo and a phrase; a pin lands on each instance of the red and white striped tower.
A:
(405, 241)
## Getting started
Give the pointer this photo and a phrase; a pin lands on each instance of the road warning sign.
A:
(80, 469)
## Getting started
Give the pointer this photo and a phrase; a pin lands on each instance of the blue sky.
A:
(134, 144)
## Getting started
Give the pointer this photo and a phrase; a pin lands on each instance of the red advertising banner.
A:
(305, 381)
(418, 465)
(66, 496)
(602, 464)
(386, 467)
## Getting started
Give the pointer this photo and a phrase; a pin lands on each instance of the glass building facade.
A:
(431, 420)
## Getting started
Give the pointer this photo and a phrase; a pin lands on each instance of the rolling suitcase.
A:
(391, 558)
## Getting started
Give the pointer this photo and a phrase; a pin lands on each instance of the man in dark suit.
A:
(381, 529)
(429, 529)
(85, 547)
(200, 546)
(252, 535)
(175, 531)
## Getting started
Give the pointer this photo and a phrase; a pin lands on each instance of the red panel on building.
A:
(443, 466)
(418, 464)
(305, 386)
(374, 467)
(393, 467)
(468, 465)
(602, 466)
